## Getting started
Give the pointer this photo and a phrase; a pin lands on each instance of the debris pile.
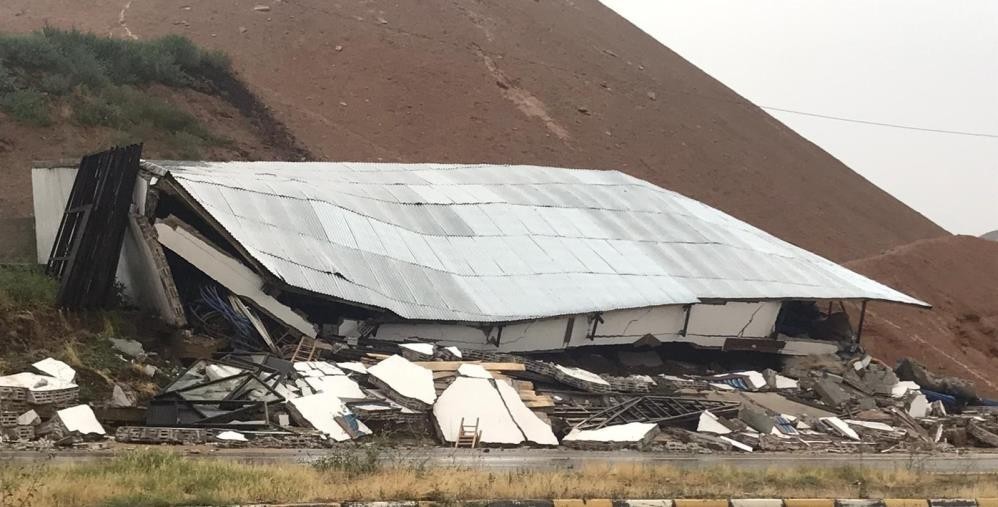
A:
(490, 399)
(45, 404)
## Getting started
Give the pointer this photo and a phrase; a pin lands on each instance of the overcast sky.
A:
(931, 64)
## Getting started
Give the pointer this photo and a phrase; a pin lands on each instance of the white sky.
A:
(921, 63)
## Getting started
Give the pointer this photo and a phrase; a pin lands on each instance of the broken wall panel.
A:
(230, 273)
(476, 400)
(533, 428)
(87, 246)
(734, 319)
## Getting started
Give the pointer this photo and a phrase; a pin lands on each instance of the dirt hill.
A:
(959, 275)
(565, 83)
(559, 82)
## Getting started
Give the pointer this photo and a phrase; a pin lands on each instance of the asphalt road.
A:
(513, 459)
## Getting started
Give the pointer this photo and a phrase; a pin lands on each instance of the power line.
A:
(882, 124)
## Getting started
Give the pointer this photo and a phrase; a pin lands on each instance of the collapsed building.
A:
(351, 294)
(498, 258)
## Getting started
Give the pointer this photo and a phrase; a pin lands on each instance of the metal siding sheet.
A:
(572, 241)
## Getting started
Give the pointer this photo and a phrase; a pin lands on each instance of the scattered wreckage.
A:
(453, 301)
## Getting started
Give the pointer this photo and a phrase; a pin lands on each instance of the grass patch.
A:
(103, 81)
(143, 478)
(26, 287)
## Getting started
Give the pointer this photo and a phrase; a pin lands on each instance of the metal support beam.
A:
(862, 318)
(686, 321)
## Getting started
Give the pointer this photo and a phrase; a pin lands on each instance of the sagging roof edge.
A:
(271, 278)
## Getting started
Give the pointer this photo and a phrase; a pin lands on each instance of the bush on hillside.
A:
(101, 79)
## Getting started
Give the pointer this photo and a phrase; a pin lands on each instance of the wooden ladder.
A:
(305, 350)
(468, 435)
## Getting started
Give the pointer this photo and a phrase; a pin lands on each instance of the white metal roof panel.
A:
(499, 243)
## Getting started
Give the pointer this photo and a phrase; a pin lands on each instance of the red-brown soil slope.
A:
(959, 275)
(558, 82)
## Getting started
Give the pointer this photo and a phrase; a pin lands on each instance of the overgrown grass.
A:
(163, 478)
(104, 83)
(22, 286)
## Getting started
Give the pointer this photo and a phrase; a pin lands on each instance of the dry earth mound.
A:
(564, 83)
(959, 275)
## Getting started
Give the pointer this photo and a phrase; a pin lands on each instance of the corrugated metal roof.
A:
(496, 243)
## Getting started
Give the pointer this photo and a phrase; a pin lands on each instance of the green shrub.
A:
(100, 78)
(27, 106)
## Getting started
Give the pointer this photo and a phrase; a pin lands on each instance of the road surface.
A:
(514, 459)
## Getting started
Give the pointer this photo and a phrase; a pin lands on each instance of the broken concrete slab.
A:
(130, 348)
(451, 353)
(327, 413)
(918, 407)
(937, 409)
(120, 398)
(879, 379)
(710, 423)
(231, 436)
(535, 430)
(983, 435)
(583, 375)
(908, 369)
(473, 371)
(29, 418)
(475, 401)
(831, 392)
(80, 419)
(736, 444)
(756, 419)
(316, 369)
(55, 368)
(901, 388)
(341, 386)
(417, 351)
(839, 426)
(412, 384)
(754, 379)
(630, 434)
(872, 425)
(352, 366)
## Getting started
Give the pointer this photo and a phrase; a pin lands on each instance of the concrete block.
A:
(831, 393)
(757, 419)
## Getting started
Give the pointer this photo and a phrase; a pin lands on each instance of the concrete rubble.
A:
(414, 304)
(351, 392)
